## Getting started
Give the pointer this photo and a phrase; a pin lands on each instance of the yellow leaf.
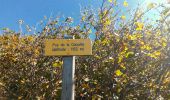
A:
(120, 59)
(36, 51)
(1, 84)
(97, 57)
(122, 66)
(150, 55)
(125, 4)
(126, 48)
(150, 84)
(123, 17)
(30, 38)
(132, 37)
(108, 22)
(57, 64)
(110, 1)
(148, 33)
(83, 18)
(95, 82)
(54, 72)
(166, 80)
(129, 53)
(20, 97)
(85, 85)
(105, 41)
(104, 12)
(141, 42)
(139, 26)
(119, 90)
(146, 47)
(22, 81)
(118, 72)
(157, 53)
(151, 5)
(164, 44)
(47, 86)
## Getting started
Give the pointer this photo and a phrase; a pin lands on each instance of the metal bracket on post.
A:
(68, 87)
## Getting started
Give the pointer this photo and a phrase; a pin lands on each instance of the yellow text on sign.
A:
(66, 47)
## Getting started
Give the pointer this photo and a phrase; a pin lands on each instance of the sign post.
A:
(68, 78)
(68, 48)
(68, 87)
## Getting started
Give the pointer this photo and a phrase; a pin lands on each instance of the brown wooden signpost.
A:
(68, 48)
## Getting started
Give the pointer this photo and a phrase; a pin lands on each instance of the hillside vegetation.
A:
(131, 57)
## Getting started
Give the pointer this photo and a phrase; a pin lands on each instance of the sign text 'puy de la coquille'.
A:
(66, 47)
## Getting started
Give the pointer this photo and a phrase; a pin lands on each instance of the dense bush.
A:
(130, 57)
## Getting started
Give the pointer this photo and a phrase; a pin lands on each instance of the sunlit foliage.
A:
(130, 57)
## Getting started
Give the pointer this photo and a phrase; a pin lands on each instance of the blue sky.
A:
(32, 11)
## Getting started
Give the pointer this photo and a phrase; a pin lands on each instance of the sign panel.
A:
(67, 47)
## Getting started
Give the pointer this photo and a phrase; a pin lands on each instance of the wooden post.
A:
(68, 77)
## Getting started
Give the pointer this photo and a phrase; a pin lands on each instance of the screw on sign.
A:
(68, 48)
